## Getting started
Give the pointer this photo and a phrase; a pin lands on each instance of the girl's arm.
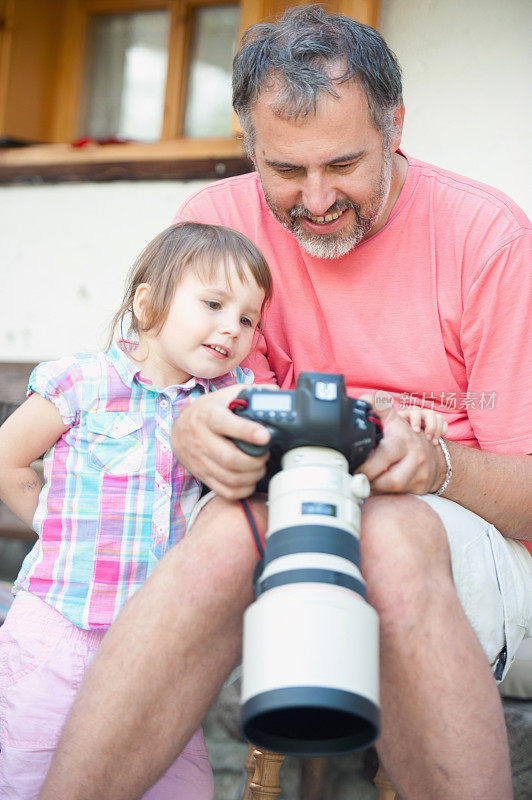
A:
(425, 419)
(25, 435)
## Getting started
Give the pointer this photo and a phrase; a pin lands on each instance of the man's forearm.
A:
(494, 486)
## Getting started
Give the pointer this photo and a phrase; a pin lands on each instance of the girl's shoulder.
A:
(69, 369)
(70, 381)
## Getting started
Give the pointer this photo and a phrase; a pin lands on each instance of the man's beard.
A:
(335, 245)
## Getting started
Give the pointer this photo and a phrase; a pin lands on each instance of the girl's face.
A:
(208, 331)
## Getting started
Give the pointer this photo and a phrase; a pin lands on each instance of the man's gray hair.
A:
(296, 55)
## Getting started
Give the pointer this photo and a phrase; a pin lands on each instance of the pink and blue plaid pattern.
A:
(114, 498)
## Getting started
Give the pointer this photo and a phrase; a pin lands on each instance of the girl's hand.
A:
(404, 461)
(425, 419)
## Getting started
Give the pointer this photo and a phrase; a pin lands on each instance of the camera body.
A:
(316, 413)
(310, 677)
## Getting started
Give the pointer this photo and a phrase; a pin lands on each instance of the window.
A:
(155, 73)
(126, 58)
(208, 99)
(126, 64)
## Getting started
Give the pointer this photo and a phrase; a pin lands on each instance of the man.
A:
(409, 280)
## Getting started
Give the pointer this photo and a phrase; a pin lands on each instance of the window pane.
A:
(208, 109)
(125, 76)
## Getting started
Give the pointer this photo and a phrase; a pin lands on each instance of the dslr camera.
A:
(310, 648)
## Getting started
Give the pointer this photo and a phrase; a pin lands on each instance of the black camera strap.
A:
(258, 541)
(250, 519)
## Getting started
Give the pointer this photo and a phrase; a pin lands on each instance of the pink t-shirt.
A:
(432, 309)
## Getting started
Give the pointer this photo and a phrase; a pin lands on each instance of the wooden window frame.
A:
(173, 156)
(74, 38)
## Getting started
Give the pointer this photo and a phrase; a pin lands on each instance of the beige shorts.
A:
(492, 575)
(202, 502)
(493, 580)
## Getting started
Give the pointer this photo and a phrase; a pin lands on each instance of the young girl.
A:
(114, 499)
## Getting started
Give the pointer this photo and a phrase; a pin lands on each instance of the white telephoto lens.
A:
(310, 654)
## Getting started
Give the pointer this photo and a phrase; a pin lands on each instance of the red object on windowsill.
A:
(84, 141)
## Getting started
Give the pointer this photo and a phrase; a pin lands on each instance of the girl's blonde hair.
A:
(165, 260)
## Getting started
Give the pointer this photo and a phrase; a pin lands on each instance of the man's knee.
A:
(404, 555)
(221, 532)
(212, 566)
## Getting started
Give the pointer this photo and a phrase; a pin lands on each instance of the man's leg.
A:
(167, 655)
(443, 731)
(161, 664)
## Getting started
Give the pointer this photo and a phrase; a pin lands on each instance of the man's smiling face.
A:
(328, 178)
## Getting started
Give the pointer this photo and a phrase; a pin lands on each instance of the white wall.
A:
(65, 249)
(64, 253)
(466, 74)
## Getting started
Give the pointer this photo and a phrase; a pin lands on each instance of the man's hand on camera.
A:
(404, 461)
(201, 441)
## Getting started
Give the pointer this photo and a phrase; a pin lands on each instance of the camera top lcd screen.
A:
(271, 401)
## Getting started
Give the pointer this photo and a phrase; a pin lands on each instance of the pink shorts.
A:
(42, 661)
